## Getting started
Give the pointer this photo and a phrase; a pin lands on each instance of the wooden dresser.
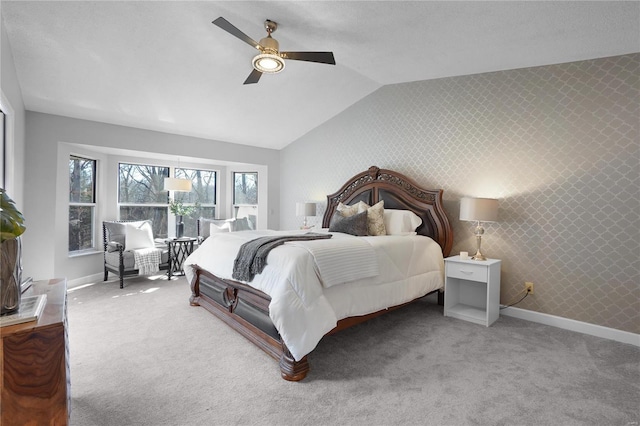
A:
(34, 363)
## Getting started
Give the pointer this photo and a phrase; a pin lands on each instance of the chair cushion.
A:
(116, 231)
(113, 246)
(113, 258)
(138, 236)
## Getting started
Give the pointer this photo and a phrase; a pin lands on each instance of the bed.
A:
(287, 316)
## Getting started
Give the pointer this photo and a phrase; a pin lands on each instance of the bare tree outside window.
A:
(245, 196)
(245, 188)
(82, 203)
(142, 184)
(141, 195)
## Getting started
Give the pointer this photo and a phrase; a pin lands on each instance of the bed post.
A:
(194, 300)
(290, 369)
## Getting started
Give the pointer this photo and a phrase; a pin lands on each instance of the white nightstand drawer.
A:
(467, 271)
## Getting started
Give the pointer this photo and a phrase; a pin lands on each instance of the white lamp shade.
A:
(175, 184)
(305, 209)
(479, 209)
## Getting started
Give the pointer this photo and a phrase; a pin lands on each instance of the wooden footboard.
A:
(246, 310)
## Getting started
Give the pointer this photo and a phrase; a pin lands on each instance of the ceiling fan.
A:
(270, 60)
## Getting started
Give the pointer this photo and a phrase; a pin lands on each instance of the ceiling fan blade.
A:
(253, 77)
(322, 57)
(231, 29)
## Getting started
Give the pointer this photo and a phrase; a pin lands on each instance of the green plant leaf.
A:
(179, 209)
(11, 220)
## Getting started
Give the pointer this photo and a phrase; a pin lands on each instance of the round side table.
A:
(179, 250)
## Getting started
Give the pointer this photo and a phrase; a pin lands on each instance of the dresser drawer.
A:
(467, 271)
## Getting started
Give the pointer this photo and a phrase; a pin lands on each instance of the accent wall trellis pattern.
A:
(558, 145)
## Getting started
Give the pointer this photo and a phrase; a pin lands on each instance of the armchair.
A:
(119, 260)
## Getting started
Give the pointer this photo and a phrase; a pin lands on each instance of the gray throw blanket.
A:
(252, 256)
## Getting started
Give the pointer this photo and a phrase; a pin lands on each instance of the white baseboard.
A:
(84, 280)
(573, 325)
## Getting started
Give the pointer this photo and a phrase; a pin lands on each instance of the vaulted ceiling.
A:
(164, 66)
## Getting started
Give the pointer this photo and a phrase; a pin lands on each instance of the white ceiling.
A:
(164, 66)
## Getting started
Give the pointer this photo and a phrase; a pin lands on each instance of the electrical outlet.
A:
(528, 287)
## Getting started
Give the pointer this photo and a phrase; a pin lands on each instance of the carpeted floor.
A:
(139, 357)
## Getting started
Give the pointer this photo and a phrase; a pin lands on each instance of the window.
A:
(245, 196)
(202, 195)
(82, 204)
(141, 195)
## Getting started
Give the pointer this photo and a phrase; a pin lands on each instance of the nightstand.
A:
(472, 290)
(179, 250)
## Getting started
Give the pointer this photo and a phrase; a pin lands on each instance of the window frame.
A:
(233, 188)
(214, 205)
(165, 205)
(247, 207)
(159, 231)
(93, 205)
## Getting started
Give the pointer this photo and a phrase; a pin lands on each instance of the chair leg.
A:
(121, 270)
(106, 274)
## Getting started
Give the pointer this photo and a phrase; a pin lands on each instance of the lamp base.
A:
(479, 232)
(478, 256)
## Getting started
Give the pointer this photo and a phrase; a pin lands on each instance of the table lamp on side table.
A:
(305, 209)
(479, 210)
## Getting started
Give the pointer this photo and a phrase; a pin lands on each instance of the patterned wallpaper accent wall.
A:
(558, 145)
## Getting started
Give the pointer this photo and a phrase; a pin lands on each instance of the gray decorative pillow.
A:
(354, 225)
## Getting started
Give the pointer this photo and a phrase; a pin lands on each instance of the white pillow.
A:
(138, 236)
(215, 229)
(399, 222)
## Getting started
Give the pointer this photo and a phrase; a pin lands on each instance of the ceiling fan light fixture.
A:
(268, 63)
(270, 60)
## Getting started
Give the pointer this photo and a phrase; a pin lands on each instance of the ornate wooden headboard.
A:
(398, 192)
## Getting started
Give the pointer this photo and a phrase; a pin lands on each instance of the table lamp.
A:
(305, 209)
(176, 184)
(479, 210)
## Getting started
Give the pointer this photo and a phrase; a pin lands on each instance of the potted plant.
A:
(11, 227)
(178, 209)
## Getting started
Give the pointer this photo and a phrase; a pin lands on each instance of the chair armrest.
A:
(114, 246)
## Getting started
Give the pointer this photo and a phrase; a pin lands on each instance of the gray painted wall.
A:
(558, 145)
(12, 101)
(50, 140)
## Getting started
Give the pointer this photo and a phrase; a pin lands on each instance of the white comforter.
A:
(301, 309)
